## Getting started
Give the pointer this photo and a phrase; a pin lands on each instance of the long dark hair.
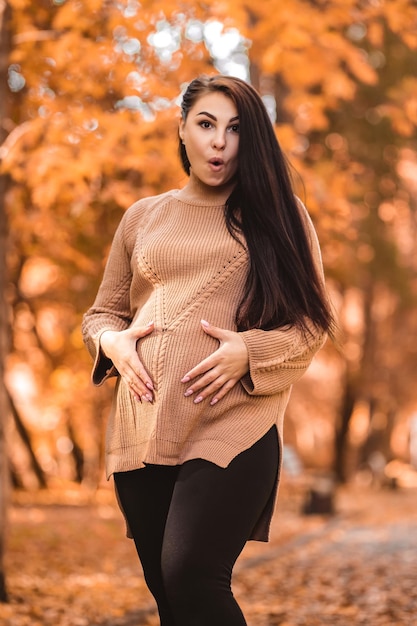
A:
(283, 286)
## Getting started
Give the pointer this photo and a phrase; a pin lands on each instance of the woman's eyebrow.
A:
(213, 117)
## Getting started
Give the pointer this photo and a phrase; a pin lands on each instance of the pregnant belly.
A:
(167, 355)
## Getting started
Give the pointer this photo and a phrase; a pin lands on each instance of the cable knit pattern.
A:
(174, 262)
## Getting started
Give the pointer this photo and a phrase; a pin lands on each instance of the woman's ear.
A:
(181, 130)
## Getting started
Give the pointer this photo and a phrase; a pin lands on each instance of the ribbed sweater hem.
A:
(163, 452)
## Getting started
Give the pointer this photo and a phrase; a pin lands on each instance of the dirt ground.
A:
(69, 564)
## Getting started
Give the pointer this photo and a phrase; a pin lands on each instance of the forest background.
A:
(89, 97)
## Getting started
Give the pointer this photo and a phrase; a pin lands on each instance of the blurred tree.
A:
(380, 264)
(4, 316)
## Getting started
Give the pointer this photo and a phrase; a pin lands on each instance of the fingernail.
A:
(204, 323)
(186, 379)
(149, 386)
(214, 401)
(189, 392)
(147, 398)
(199, 399)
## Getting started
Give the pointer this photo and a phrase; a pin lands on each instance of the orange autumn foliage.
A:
(92, 127)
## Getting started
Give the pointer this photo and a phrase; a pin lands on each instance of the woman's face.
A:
(211, 138)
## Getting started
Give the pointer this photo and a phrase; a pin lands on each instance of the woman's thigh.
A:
(224, 503)
(145, 497)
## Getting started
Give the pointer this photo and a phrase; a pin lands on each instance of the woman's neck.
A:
(196, 189)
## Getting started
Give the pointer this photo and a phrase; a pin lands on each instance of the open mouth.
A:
(216, 162)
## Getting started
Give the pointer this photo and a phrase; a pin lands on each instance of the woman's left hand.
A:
(221, 370)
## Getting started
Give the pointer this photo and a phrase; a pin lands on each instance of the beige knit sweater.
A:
(173, 261)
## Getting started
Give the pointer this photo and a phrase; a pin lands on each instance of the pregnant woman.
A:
(211, 306)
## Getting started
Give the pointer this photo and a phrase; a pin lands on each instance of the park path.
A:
(357, 568)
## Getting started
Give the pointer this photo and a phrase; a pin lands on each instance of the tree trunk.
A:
(359, 383)
(342, 429)
(4, 318)
(25, 437)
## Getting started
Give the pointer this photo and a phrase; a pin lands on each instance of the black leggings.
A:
(190, 522)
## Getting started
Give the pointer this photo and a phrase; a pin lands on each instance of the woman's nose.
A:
(219, 140)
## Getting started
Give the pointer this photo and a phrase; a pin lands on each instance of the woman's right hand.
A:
(120, 348)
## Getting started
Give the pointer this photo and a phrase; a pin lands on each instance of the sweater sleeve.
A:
(279, 357)
(111, 309)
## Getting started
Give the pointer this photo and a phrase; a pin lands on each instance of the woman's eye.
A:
(235, 128)
(205, 124)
